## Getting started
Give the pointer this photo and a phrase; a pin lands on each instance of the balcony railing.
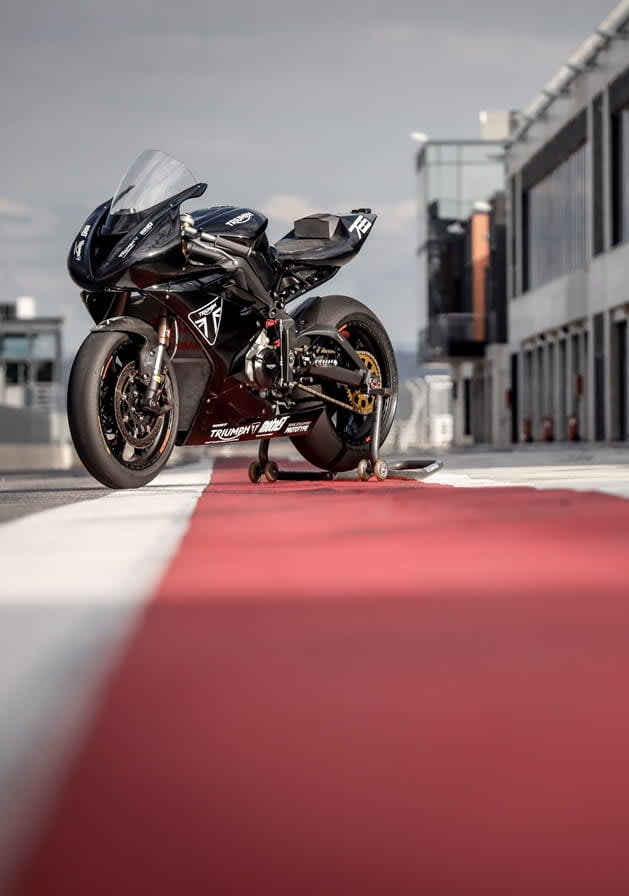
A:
(453, 336)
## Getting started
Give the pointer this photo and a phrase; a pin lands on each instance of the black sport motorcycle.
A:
(193, 344)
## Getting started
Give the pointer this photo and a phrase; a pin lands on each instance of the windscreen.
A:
(152, 178)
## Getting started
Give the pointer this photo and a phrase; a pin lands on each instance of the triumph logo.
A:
(240, 219)
(208, 319)
(361, 225)
(223, 433)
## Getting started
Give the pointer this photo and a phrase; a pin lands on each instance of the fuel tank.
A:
(231, 221)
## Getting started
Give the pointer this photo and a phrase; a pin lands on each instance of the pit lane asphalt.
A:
(24, 493)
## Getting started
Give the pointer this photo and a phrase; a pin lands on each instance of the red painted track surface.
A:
(345, 688)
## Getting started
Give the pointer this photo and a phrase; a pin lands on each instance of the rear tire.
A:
(339, 439)
(118, 442)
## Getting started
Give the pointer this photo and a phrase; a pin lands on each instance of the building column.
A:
(609, 374)
(558, 425)
(525, 390)
(607, 173)
(499, 422)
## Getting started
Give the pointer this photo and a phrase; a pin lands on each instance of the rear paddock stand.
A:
(411, 468)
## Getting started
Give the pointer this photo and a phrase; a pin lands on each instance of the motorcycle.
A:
(193, 342)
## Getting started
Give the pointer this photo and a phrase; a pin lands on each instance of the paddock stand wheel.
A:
(364, 470)
(271, 471)
(381, 470)
(255, 472)
(413, 469)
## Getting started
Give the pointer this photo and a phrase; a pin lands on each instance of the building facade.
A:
(460, 257)
(30, 358)
(567, 246)
(33, 430)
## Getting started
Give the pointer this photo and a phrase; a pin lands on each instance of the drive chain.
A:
(341, 404)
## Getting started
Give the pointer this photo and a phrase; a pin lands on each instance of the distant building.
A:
(568, 247)
(30, 357)
(33, 430)
(461, 298)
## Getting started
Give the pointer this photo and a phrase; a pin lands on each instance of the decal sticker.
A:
(146, 229)
(361, 225)
(258, 429)
(128, 248)
(208, 319)
(294, 429)
(240, 219)
(78, 249)
(86, 230)
(223, 433)
(273, 425)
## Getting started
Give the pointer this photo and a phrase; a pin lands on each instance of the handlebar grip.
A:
(197, 250)
(232, 246)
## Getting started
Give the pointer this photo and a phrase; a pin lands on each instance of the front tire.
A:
(119, 443)
(339, 440)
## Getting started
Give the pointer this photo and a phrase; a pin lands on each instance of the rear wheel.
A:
(120, 443)
(341, 437)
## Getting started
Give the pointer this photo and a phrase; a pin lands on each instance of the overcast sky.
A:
(282, 105)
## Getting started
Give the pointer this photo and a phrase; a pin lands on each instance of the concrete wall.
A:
(23, 425)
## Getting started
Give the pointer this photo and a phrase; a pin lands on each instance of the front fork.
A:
(150, 401)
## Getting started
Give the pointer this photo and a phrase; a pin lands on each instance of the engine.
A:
(262, 363)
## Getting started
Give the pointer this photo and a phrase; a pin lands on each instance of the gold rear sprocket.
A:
(363, 404)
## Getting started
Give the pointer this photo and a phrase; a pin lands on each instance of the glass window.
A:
(45, 346)
(433, 154)
(15, 345)
(44, 372)
(16, 373)
(478, 182)
(443, 182)
(449, 154)
(451, 209)
(598, 185)
(556, 232)
(478, 154)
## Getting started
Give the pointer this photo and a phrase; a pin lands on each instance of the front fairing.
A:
(81, 259)
(98, 259)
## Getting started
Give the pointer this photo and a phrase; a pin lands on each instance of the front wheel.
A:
(341, 437)
(119, 442)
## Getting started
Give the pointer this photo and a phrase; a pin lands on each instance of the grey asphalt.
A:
(582, 466)
(24, 493)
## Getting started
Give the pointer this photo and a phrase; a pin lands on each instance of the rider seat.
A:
(315, 239)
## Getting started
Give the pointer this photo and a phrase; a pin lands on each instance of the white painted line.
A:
(464, 480)
(110, 549)
(73, 581)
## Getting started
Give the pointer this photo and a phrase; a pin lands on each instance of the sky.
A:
(284, 106)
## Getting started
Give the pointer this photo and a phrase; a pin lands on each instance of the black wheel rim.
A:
(135, 437)
(355, 429)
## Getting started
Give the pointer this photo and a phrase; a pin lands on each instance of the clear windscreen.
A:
(154, 177)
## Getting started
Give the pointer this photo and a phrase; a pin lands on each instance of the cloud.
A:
(12, 209)
(284, 208)
(393, 217)
(396, 217)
